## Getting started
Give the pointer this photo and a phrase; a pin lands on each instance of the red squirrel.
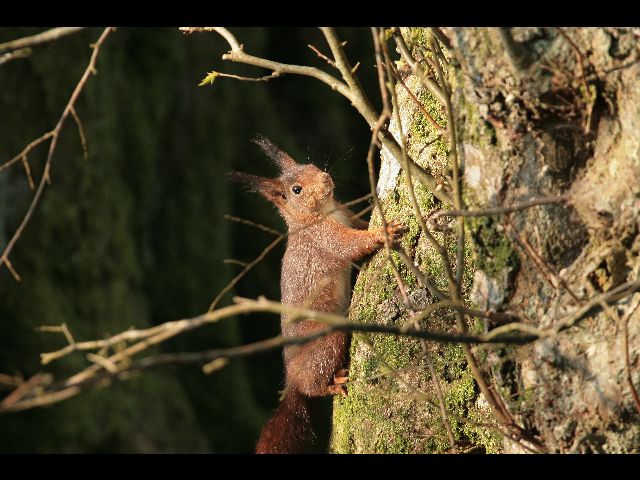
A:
(316, 270)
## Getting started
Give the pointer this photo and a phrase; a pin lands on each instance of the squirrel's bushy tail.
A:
(289, 428)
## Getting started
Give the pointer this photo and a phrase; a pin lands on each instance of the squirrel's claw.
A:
(337, 390)
(395, 230)
(343, 372)
(341, 377)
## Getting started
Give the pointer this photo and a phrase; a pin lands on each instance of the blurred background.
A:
(135, 235)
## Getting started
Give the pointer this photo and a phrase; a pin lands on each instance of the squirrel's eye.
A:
(296, 189)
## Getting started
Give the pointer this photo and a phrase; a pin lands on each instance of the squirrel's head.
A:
(299, 190)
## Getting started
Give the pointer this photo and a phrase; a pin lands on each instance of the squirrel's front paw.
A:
(336, 389)
(395, 229)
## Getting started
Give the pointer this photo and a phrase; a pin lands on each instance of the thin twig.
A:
(238, 55)
(495, 400)
(382, 121)
(500, 210)
(457, 305)
(440, 396)
(425, 112)
(588, 101)
(408, 178)
(455, 161)
(454, 283)
(417, 69)
(621, 66)
(244, 221)
(344, 66)
(14, 55)
(12, 270)
(43, 37)
(211, 76)
(10, 381)
(322, 56)
(222, 31)
(580, 57)
(364, 106)
(128, 335)
(547, 271)
(351, 90)
(153, 336)
(25, 151)
(380, 45)
(54, 139)
(233, 261)
(27, 171)
(83, 138)
(592, 306)
(246, 270)
(120, 362)
(442, 38)
(422, 277)
(14, 397)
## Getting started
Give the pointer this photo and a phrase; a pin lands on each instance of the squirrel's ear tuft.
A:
(284, 161)
(270, 188)
(250, 182)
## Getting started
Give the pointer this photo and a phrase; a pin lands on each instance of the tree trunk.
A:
(538, 113)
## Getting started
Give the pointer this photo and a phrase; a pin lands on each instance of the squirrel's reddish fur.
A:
(315, 274)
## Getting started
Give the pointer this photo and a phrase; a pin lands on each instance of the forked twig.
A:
(4, 258)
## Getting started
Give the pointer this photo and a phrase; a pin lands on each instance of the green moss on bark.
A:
(398, 412)
(493, 252)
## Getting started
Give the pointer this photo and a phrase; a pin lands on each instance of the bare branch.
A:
(14, 55)
(211, 76)
(26, 150)
(14, 397)
(233, 261)
(547, 271)
(350, 90)
(12, 270)
(233, 43)
(580, 57)
(417, 69)
(593, 305)
(10, 381)
(54, 138)
(119, 364)
(245, 270)
(346, 70)
(500, 210)
(27, 171)
(322, 56)
(408, 177)
(509, 334)
(442, 38)
(419, 104)
(44, 37)
(244, 221)
(83, 139)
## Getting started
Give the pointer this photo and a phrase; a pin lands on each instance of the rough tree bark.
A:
(539, 112)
